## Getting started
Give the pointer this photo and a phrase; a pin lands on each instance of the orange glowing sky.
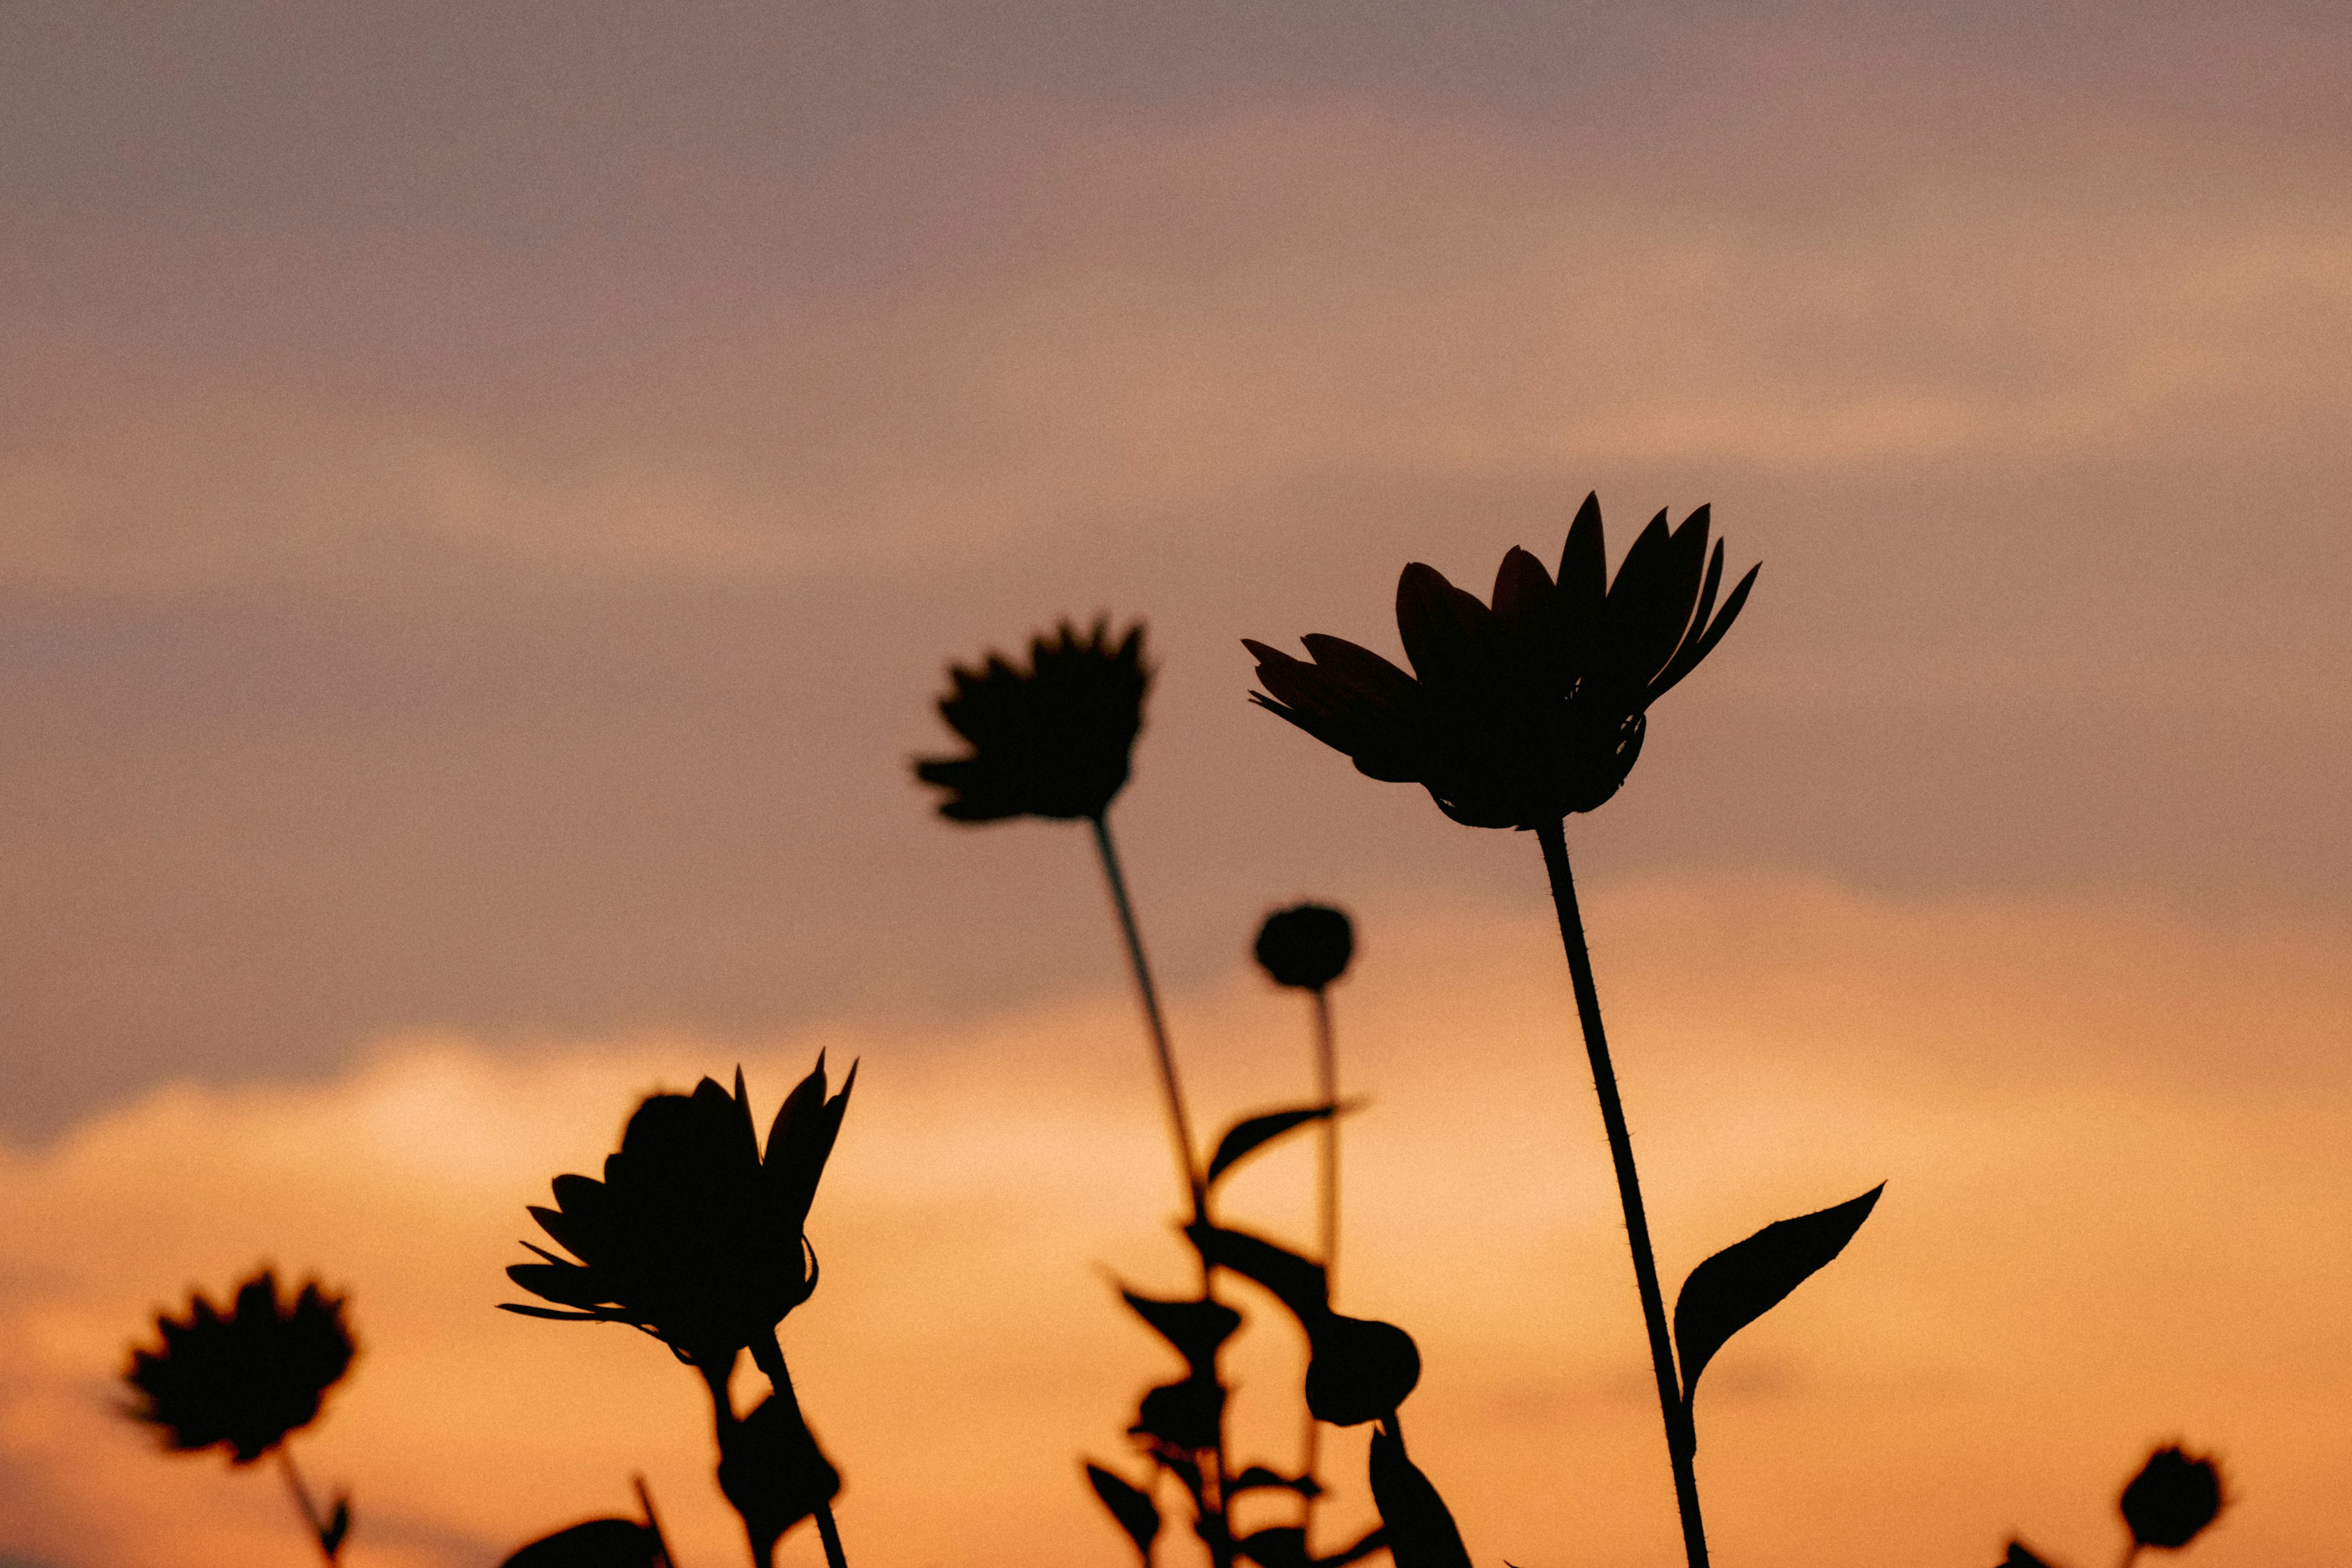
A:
(486, 497)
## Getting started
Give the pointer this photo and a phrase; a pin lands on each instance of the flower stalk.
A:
(768, 1353)
(330, 1543)
(1179, 1125)
(1682, 1441)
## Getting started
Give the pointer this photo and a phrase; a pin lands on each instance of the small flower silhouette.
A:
(1050, 740)
(1520, 712)
(692, 1236)
(2174, 1497)
(246, 1377)
(1306, 946)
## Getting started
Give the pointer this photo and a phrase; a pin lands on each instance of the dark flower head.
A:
(1522, 712)
(2174, 1496)
(692, 1236)
(1049, 740)
(1307, 946)
(246, 1378)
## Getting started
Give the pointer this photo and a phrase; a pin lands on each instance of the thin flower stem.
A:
(1682, 1441)
(1179, 1125)
(302, 1500)
(1327, 1085)
(769, 1353)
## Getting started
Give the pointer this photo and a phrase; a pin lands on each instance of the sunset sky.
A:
(488, 495)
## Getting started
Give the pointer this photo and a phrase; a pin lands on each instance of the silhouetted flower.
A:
(1307, 946)
(1517, 714)
(1049, 740)
(246, 1377)
(691, 1236)
(2174, 1496)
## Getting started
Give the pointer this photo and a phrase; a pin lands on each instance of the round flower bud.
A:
(1307, 946)
(2174, 1496)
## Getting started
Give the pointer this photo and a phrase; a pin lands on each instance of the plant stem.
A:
(302, 1500)
(769, 1353)
(1682, 1439)
(1180, 1126)
(652, 1522)
(1327, 1085)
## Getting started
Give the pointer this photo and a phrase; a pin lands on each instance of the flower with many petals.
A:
(692, 1236)
(1524, 711)
(246, 1378)
(1049, 740)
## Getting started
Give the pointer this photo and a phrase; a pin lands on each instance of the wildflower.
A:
(2174, 1496)
(244, 1378)
(1306, 946)
(1520, 712)
(1050, 740)
(692, 1236)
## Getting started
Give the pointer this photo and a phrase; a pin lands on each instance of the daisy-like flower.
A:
(692, 1236)
(1049, 740)
(1524, 711)
(244, 1378)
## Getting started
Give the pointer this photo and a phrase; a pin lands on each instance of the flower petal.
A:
(1523, 596)
(1453, 639)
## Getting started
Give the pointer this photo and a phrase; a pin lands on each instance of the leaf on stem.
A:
(1135, 1512)
(1420, 1529)
(1247, 1137)
(772, 1471)
(1281, 1546)
(1358, 1370)
(598, 1543)
(1257, 1478)
(1187, 1416)
(1749, 1279)
(1371, 1540)
(1195, 1327)
(1300, 1285)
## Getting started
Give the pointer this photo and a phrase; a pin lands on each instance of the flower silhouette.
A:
(692, 1236)
(246, 1377)
(1520, 712)
(1306, 946)
(2174, 1497)
(1050, 740)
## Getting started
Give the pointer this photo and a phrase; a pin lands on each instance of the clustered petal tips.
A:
(692, 1236)
(1049, 740)
(1306, 946)
(1524, 711)
(246, 1378)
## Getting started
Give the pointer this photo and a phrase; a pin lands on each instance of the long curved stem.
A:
(1682, 1442)
(769, 1354)
(1179, 1125)
(1326, 1090)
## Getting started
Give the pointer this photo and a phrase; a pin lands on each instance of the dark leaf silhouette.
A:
(1195, 1327)
(1246, 1138)
(598, 1543)
(1184, 1416)
(771, 1469)
(1306, 946)
(2174, 1497)
(1522, 712)
(1746, 1280)
(1371, 1540)
(1257, 1478)
(337, 1526)
(244, 1378)
(692, 1236)
(1050, 740)
(1135, 1512)
(1420, 1529)
(1357, 1370)
(1282, 1546)
(2019, 1557)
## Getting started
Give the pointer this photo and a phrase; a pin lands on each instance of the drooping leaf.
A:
(598, 1543)
(1195, 1327)
(1420, 1529)
(1245, 1138)
(1749, 1279)
(1258, 1477)
(1186, 1415)
(1300, 1285)
(1135, 1512)
(1280, 1546)
(771, 1470)
(1358, 1370)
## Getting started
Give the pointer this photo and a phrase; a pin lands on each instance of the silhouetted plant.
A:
(246, 1379)
(608, 1542)
(697, 1238)
(2172, 1499)
(1517, 715)
(1307, 947)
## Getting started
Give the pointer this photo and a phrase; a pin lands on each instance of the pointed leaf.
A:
(338, 1525)
(1245, 1138)
(1302, 1286)
(1421, 1532)
(598, 1543)
(1135, 1512)
(1281, 1546)
(1749, 1279)
(1195, 1327)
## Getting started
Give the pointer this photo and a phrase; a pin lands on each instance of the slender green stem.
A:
(1179, 1125)
(1327, 1088)
(302, 1500)
(1681, 1440)
(769, 1353)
